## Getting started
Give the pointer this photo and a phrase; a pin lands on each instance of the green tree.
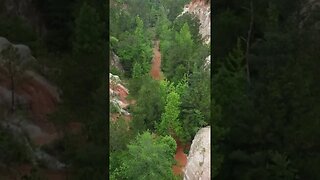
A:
(135, 47)
(170, 123)
(149, 105)
(193, 23)
(164, 33)
(195, 107)
(57, 19)
(88, 32)
(18, 153)
(178, 60)
(170, 142)
(219, 131)
(120, 135)
(280, 167)
(85, 68)
(15, 61)
(18, 29)
(174, 8)
(150, 158)
(137, 70)
(117, 169)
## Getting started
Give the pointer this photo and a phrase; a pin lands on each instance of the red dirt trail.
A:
(181, 159)
(156, 74)
(156, 62)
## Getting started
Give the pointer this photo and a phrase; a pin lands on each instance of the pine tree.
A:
(88, 31)
(170, 123)
(150, 158)
(137, 70)
(82, 73)
(14, 66)
(178, 60)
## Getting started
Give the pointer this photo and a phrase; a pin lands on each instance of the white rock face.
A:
(207, 63)
(4, 43)
(23, 50)
(115, 61)
(198, 165)
(32, 81)
(118, 94)
(201, 9)
(309, 14)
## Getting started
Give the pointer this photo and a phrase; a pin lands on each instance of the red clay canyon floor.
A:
(156, 74)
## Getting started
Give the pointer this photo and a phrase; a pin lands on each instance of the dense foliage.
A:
(267, 92)
(173, 108)
(68, 39)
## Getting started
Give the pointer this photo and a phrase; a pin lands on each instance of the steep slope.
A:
(118, 94)
(201, 9)
(37, 98)
(115, 62)
(198, 166)
(34, 94)
(117, 91)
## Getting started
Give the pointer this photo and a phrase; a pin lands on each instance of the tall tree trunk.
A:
(248, 41)
(12, 95)
(11, 73)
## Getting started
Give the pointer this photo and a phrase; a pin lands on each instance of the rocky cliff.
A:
(37, 98)
(201, 9)
(115, 62)
(310, 14)
(117, 91)
(198, 165)
(34, 93)
(118, 94)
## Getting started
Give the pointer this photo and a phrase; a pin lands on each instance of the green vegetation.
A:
(149, 105)
(170, 124)
(69, 43)
(265, 91)
(264, 111)
(12, 150)
(150, 158)
(172, 108)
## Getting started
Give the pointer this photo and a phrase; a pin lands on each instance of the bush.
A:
(17, 31)
(11, 151)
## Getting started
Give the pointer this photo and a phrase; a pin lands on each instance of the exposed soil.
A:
(42, 99)
(181, 159)
(156, 74)
(122, 92)
(156, 62)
